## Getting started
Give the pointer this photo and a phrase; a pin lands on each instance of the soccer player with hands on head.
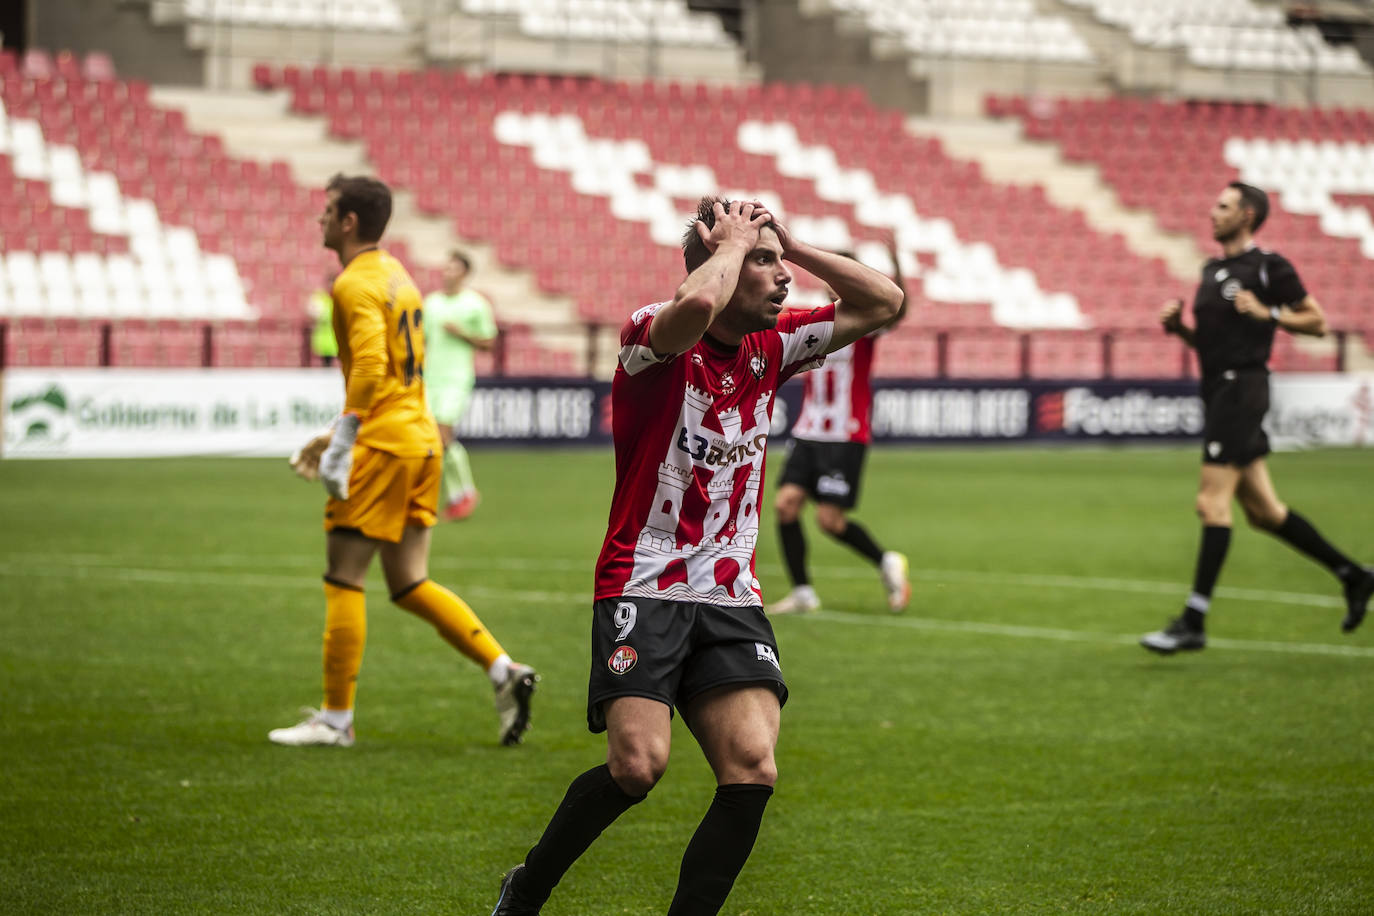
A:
(677, 615)
(1244, 298)
(380, 465)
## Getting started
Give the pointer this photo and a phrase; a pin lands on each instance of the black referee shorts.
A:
(1235, 403)
(828, 471)
(672, 651)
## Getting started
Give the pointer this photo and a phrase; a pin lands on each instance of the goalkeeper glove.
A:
(337, 461)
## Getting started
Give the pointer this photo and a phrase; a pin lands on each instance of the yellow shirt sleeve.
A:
(364, 315)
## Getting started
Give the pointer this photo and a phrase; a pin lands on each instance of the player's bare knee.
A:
(1265, 517)
(637, 769)
(1213, 511)
(787, 505)
(831, 519)
(752, 764)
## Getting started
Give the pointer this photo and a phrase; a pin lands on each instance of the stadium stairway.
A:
(1171, 158)
(261, 125)
(1005, 156)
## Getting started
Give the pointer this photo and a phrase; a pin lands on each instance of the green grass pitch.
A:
(1004, 747)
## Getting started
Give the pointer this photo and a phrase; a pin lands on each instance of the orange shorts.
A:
(386, 494)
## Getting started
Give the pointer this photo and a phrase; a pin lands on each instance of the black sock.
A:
(794, 551)
(592, 803)
(1211, 553)
(719, 849)
(1299, 532)
(857, 537)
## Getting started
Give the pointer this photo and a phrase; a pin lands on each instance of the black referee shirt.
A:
(1226, 339)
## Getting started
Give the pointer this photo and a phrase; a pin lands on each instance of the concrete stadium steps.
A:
(259, 125)
(1007, 157)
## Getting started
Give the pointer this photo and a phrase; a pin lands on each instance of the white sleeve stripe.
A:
(795, 346)
(637, 357)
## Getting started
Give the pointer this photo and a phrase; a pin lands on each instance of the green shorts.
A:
(448, 401)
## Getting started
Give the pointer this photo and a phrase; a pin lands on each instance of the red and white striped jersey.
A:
(690, 434)
(839, 397)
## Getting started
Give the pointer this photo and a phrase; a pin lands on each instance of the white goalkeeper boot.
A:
(312, 731)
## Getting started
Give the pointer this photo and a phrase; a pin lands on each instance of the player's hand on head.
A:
(740, 223)
(306, 459)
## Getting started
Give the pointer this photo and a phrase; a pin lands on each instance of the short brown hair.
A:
(460, 256)
(694, 250)
(366, 198)
(1254, 200)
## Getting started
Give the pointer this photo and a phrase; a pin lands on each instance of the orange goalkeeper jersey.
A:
(382, 355)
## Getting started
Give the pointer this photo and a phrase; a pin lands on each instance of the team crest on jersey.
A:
(622, 660)
(1221, 275)
(758, 364)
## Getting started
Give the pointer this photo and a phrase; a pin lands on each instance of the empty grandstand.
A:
(174, 226)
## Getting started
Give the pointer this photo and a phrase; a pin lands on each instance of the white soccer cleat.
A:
(312, 731)
(513, 703)
(801, 600)
(894, 572)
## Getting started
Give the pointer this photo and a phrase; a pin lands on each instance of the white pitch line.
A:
(522, 564)
(581, 599)
(1025, 632)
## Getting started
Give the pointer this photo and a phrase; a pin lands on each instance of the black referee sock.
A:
(1211, 553)
(592, 803)
(857, 537)
(1299, 532)
(794, 551)
(719, 849)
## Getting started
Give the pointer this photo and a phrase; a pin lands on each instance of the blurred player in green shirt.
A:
(458, 322)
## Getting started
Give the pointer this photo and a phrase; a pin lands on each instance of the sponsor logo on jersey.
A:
(717, 452)
(766, 654)
(727, 383)
(622, 660)
(1230, 288)
(1221, 275)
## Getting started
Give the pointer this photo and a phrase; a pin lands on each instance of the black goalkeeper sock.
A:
(858, 538)
(794, 551)
(1211, 553)
(592, 803)
(1299, 532)
(719, 849)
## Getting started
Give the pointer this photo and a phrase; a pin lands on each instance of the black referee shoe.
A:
(1176, 637)
(510, 903)
(1357, 595)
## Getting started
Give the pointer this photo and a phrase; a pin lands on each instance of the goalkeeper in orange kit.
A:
(381, 464)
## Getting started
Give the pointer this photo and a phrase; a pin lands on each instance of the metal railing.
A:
(587, 350)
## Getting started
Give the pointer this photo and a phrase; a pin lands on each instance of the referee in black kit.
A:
(1244, 296)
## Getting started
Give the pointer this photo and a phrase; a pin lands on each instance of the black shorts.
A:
(828, 471)
(673, 650)
(1235, 403)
